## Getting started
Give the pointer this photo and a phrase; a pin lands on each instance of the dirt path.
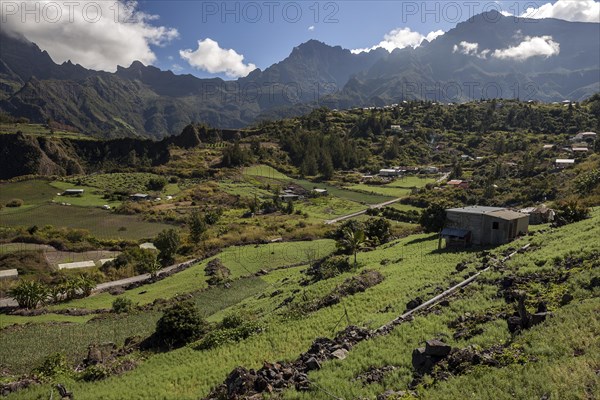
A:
(356, 214)
(443, 177)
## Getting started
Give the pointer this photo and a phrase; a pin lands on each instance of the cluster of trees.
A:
(318, 153)
(352, 235)
(411, 216)
(199, 222)
(182, 324)
(31, 294)
(235, 155)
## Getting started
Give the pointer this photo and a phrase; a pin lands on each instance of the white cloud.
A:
(530, 47)
(569, 10)
(176, 68)
(434, 34)
(400, 38)
(212, 58)
(466, 48)
(311, 28)
(470, 49)
(96, 34)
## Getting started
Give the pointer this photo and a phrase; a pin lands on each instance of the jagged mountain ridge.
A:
(145, 101)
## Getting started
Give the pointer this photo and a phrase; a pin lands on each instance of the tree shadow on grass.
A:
(425, 239)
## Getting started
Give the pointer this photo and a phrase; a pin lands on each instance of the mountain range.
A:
(487, 56)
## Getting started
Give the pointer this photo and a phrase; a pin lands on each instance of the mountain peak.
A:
(137, 65)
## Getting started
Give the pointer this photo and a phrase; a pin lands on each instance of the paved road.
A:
(9, 302)
(356, 214)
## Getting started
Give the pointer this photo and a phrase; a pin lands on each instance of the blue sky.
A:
(229, 39)
(350, 24)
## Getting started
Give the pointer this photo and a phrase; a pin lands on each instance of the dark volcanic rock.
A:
(414, 303)
(437, 348)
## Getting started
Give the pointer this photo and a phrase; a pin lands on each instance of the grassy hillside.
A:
(412, 267)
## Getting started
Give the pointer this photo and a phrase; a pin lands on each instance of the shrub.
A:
(122, 305)
(53, 365)
(433, 218)
(29, 294)
(15, 203)
(329, 267)
(94, 373)
(223, 335)
(217, 272)
(157, 184)
(180, 325)
(212, 217)
(570, 211)
(167, 242)
(378, 231)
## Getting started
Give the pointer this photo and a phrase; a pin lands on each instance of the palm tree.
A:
(351, 241)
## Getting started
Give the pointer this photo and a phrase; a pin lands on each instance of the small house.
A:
(393, 172)
(457, 183)
(431, 170)
(584, 136)
(73, 192)
(139, 197)
(288, 196)
(320, 192)
(539, 215)
(548, 147)
(483, 225)
(564, 162)
(579, 149)
(396, 128)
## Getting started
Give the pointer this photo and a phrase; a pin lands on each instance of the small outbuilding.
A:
(585, 136)
(457, 183)
(77, 265)
(9, 274)
(431, 170)
(73, 192)
(482, 225)
(539, 215)
(389, 172)
(139, 197)
(564, 162)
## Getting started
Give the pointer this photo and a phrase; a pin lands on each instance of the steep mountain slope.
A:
(466, 63)
(460, 65)
(143, 100)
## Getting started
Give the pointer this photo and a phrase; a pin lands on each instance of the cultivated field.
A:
(100, 223)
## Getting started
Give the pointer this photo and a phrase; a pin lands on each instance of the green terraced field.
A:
(100, 223)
